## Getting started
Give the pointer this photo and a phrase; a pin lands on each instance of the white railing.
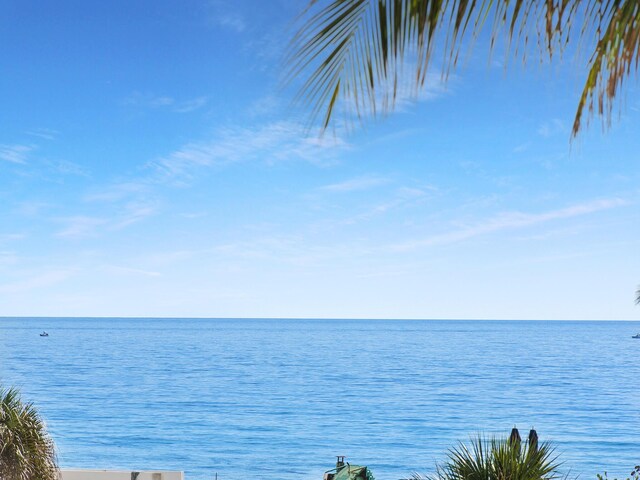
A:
(119, 475)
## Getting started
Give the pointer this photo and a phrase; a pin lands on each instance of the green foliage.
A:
(634, 475)
(27, 451)
(497, 459)
(351, 51)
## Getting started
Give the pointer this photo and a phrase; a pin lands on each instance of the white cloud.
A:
(552, 127)
(163, 259)
(44, 133)
(38, 281)
(266, 105)
(64, 167)
(510, 220)
(521, 147)
(355, 184)
(31, 208)
(403, 197)
(152, 101)
(80, 226)
(134, 213)
(300, 249)
(191, 105)
(434, 87)
(270, 143)
(221, 14)
(148, 100)
(231, 21)
(193, 215)
(8, 258)
(11, 237)
(15, 153)
(119, 270)
(402, 96)
(21, 154)
(118, 191)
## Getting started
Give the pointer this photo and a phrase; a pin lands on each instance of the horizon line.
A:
(106, 317)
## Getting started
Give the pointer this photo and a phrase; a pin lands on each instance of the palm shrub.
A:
(27, 451)
(634, 475)
(351, 52)
(497, 459)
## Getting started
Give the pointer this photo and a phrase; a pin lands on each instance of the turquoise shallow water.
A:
(277, 399)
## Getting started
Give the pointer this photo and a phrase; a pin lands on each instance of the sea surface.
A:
(278, 399)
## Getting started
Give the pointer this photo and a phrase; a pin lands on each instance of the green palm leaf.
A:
(26, 450)
(497, 459)
(350, 52)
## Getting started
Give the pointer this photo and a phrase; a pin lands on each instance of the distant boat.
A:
(637, 335)
(45, 334)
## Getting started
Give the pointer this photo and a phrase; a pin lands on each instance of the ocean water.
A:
(278, 399)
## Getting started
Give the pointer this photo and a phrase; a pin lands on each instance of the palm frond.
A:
(27, 451)
(497, 459)
(350, 52)
(616, 55)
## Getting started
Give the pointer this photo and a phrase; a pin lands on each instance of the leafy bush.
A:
(634, 475)
(498, 459)
(26, 449)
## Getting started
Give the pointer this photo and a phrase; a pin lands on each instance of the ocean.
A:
(279, 399)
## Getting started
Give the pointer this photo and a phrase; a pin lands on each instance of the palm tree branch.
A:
(617, 51)
(348, 52)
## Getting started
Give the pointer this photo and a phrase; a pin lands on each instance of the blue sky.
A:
(150, 166)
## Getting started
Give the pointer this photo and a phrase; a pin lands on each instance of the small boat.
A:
(44, 334)
(637, 335)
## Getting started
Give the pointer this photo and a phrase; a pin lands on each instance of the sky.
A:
(151, 165)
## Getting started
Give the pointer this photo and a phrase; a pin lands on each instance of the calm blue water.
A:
(276, 399)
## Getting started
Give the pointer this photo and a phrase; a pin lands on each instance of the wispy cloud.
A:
(134, 213)
(37, 281)
(298, 249)
(270, 143)
(511, 220)
(191, 105)
(193, 215)
(120, 270)
(163, 259)
(133, 199)
(521, 147)
(355, 184)
(79, 226)
(39, 166)
(118, 191)
(402, 198)
(15, 153)
(32, 208)
(552, 127)
(405, 94)
(64, 167)
(222, 14)
(167, 102)
(267, 105)
(231, 21)
(11, 237)
(376, 205)
(148, 100)
(8, 258)
(44, 133)
(82, 226)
